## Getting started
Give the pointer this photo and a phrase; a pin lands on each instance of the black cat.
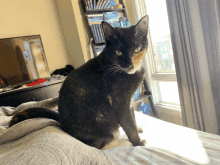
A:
(95, 98)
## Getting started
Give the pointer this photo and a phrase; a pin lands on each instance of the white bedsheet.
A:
(167, 143)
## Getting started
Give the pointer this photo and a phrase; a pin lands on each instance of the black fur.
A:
(95, 98)
(63, 71)
(34, 113)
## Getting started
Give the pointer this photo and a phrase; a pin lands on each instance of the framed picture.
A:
(26, 55)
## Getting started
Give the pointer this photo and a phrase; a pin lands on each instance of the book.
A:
(86, 4)
(122, 21)
(141, 89)
(103, 4)
(95, 34)
(101, 33)
(98, 33)
(95, 18)
(94, 4)
(116, 24)
(97, 5)
(91, 4)
(107, 3)
(128, 24)
(110, 4)
(111, 17)
(100, 2)
(113, 3)
(99, 49)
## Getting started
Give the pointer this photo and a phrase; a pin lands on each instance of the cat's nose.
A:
(131, 67)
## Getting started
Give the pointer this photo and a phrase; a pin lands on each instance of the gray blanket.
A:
(40, 141)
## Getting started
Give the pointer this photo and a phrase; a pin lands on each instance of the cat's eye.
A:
(138, 50)
(118, 53)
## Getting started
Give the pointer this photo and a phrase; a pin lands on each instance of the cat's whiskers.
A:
(109, 70)
(118, 70)
(111, 73)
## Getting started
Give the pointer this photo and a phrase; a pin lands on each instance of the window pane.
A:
(160, 35)
(169, 92)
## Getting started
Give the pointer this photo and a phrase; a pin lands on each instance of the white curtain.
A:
(195, 38)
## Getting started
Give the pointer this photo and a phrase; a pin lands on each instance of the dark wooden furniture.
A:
(36, 93)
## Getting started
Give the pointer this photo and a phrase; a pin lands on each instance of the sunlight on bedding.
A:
(180, 142)
(184, 142)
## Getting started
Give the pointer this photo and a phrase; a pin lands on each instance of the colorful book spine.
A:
(101, 33)
(99, 49)
(94, 20)
(98, 3)
(116, 24)
(111, 17)
(91, 4)
(98, 33)
(86, 4)
(128, 24)
(110, 4)
(107, 3)
(103, 4)
(97, 18)
(113, 3)
(93, 33)
(94, 4)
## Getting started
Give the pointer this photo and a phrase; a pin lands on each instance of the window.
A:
(160, 56)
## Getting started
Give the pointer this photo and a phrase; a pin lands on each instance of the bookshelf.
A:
(104, 10)
(92, 12)
(97, 46)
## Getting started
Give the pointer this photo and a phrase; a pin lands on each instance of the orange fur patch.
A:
(136, 59)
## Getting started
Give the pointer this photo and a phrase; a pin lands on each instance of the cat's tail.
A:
(33, 113)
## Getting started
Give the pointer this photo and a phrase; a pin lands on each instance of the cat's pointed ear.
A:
(143, 25)
(108, 30)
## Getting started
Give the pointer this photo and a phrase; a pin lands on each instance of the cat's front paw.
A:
(143, 143)
(140, 130)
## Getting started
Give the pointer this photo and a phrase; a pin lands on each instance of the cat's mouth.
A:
(130, 70)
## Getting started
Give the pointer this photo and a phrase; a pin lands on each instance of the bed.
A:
(40, 141)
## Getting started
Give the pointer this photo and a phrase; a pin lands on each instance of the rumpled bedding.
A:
(41, 141)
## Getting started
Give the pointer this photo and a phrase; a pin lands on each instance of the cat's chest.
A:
(124, 87)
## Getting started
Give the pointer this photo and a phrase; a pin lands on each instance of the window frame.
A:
(152, 75)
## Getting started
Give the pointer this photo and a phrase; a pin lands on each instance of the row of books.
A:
(99, 48)
(140, 91)
(110, 17)
(98, 33)
(98, 4)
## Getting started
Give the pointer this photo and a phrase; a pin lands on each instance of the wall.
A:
(74, 29)
(30, 17)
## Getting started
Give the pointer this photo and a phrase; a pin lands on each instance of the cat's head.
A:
(126, 47)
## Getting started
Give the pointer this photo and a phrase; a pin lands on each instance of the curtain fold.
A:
(194, 76)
